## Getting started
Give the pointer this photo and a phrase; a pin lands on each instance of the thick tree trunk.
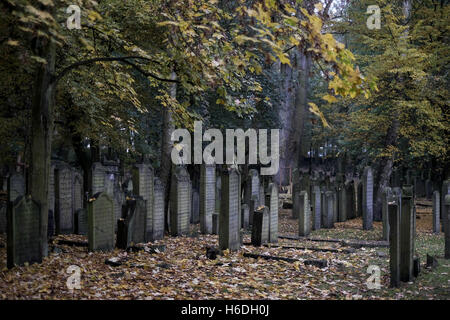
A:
(166, 147)
(42, 127)
(301, 107)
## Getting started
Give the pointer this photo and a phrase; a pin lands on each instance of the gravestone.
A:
(207, 197)
(447, 226)
(407, 235)
(429, 188)
(304, 220)
(272, 203)
(195, 218)
(51, 196)
(179, 202)
(100, 223)
(436, 212)
(143, 187)
(158, 210)
(81, 222)
(229, 237)
(215, 223)
(261, 193)
(119, 200)
(23, 224)
(64, 211)
(140, 221)
(253, 206)
(218, 192)
(344, 205)
(445, 191)
(98, 173)
(126, 225)
(296, 188)
(359, 199)
(394, 240)
(328, 210)
(77, 191)
(245, 215)
(367, 199)
(387, 194)
(260, 227)
(317, 196)
(16, 186)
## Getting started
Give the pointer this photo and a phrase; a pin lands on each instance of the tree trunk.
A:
(42, 127)
(166, 146)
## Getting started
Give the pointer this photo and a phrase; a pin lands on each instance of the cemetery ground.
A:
(178, 268)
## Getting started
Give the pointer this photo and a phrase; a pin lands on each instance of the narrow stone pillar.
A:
(407, 235)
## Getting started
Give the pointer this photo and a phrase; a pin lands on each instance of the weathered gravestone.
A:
(245, 214)
(140, 221)
(229, 237)
(23, 240)
(98, 176)
(272, 203)
(436, 212)
(343, 204)
(64, 211)
(386, 196)
(179, 202)
(81, 222)
(304, 219)
(394, 239)
(126, 225)
(158, 210)
(252, 186)
(101, 223)
(260, 227)
(195, 207)
(296, 188)
(77, 191)
(16, 186)
(407, 235)
(359, 199)
(317, 196)
(367, 199)
(328, 210)
(447, 226)
(143, 187)
(253, 206)
(207, 197)
(350, 199)
(261, 193)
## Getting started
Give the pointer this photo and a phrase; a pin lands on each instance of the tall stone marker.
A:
(158, 210)
(23, 241)
(245, 215)
(260, 227)
(98, 173)
(407, 235)
(81, 222)
(179, 202)
(140, 221)
(436, 212)
(387, 195)
(229, 237)
(367, 199)
(64, 213)
(328, 210)
(143, 187)
(273, 212)
(304, 219)
(16, 186)
(394, 240)
(317, 195)
(207, 197)
(101, 223)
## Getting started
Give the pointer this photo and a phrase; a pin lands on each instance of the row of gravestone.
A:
(321, 203)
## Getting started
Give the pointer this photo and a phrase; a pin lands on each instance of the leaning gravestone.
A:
(143, 187)
(394, 239)
(367, 199)
(229, 237)
(101, 223)
(407, 235)
(272, 203)
(16, 186)
(81, 222)
(158, 210)
(436, 212)
(179, 202)
(260, 227)
(64, 213)
(23, 240)
(207, 197)
(317, 195)
(387, 194)
(304, 219)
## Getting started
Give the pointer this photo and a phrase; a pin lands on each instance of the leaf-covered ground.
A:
(183, 271)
